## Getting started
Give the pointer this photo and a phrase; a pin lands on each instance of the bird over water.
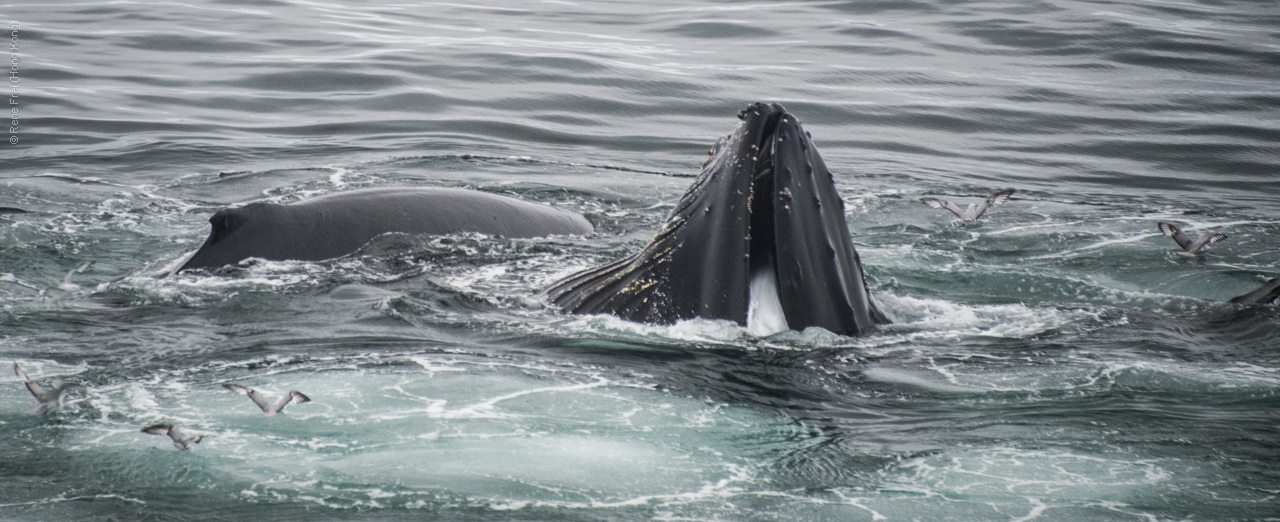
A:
(268, 408)
(974, 212)
(179, 441)
(1185, 242)
(49, 399)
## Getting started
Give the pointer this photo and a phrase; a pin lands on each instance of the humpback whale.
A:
(1268, 293)
(339, 224)
(760, 239)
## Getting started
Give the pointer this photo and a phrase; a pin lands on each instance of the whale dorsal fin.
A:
(224, 222)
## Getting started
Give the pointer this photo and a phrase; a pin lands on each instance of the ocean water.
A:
(1057, 360)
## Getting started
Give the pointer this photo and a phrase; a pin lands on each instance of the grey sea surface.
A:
(1057, 360)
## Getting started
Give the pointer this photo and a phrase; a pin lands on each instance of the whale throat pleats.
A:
(765, 204)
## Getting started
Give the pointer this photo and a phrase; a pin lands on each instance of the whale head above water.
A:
(760, 238)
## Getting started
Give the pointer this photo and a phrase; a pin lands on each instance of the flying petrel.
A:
(180, 442)
(268, 408)
(974, 211)
(49, 400)
(66, 285)
(1184, 241)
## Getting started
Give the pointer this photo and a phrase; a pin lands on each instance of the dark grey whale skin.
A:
(1268, 293)
(338, 224)
(763, 193)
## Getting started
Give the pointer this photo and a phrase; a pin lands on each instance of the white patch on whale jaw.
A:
(764, 309)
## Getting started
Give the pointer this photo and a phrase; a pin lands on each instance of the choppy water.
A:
(1056, 361)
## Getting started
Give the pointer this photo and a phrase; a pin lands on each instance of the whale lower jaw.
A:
(760, 238)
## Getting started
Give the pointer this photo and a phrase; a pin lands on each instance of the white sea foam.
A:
(1021, 484)
(189, 289)
(939, 318)
(693, 330)
(567, 437)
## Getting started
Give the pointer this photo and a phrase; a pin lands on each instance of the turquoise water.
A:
(1057, 360)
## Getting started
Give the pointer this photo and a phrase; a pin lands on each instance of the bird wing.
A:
(280, 404)
(158, 429)
(992, 200)
(1170, 230)
(1206, 240)
(32, 387)
(284, 401)
(179, 441)
(253, 394)
(299, 397)
(82, 266)
(944, 204)
(36, 391)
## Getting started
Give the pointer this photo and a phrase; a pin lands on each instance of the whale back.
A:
(339, 224)
(1268, 293)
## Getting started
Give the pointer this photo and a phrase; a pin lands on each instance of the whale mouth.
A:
(765, 205)
(765, 313)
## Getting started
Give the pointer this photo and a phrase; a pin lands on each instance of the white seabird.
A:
(66, 285)
(974, 211)
(180, 442)
(1184, 241)
(268, 408)
(49, 400)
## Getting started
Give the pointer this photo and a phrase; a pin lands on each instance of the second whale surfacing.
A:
(339, 224)
(762, 228)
